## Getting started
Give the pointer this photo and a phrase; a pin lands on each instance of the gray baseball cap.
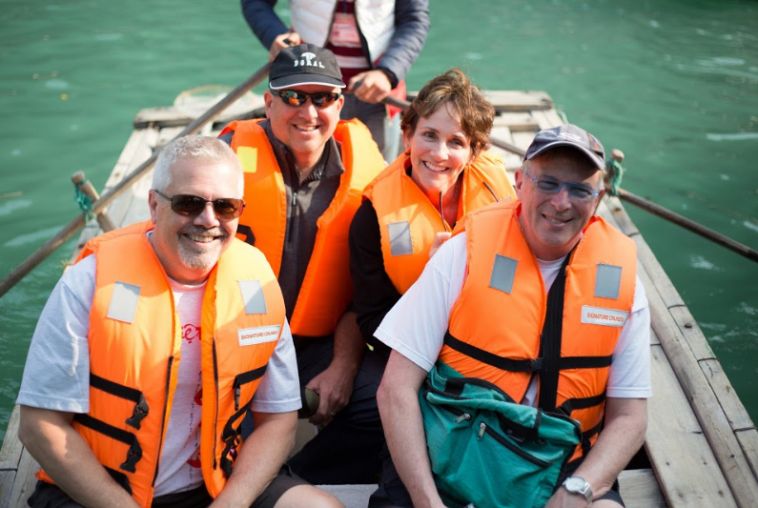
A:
(571, 136)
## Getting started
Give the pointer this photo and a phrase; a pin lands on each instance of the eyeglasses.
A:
(576, 191)
(191, 206)
(297, 98)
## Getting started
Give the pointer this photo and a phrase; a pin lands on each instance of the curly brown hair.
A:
(475, 113)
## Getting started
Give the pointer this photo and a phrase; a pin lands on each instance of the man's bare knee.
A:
(307, 496)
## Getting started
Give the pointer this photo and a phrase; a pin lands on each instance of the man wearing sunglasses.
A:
(305, 171)
(152, 347)
(375, 42)
(540, 298)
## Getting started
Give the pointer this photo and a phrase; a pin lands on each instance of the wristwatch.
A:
(578, 485)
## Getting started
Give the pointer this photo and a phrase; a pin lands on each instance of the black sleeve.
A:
(373, 291)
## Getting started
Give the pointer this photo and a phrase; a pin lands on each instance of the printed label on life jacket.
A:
(603, 317)
(258, 335)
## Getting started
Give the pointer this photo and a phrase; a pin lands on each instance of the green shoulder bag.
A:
(488, 451)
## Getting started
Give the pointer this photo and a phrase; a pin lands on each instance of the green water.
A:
(672, 83)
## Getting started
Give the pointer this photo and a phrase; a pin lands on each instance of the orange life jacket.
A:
(408, 221)
(496, 324)
(135, 351)
(326, 289)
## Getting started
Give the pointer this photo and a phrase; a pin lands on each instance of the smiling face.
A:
(552, 223)
(189, 247)
(304, 129)
(439, 150)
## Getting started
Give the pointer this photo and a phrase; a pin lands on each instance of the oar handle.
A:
(77, 222)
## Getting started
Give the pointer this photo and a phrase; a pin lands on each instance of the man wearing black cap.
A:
(540, 298)
(305, 170)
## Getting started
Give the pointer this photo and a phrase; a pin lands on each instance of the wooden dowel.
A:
(86, 187)
(680, 220)
(72, 227)
(710, 234)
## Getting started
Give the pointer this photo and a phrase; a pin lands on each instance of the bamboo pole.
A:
(77, 222)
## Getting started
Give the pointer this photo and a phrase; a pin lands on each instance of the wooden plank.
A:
(10, 453)
(518, 100)
(687, 479)
(519, 121)
(749, 441)
(23, 486)
(548, 118)
(139, 148)
(735, 411)
(173, 116)
(6, 486)
(639, 489)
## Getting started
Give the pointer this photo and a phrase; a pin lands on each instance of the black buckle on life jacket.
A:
(125, 392)
(140, 412)
(232, 438)
(229, 454)
(133, 455)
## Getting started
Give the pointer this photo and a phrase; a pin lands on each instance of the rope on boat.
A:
(83, 200)
(614, 173)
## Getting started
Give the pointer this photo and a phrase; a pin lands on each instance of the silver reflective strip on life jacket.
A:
(252, 296)
(400, 238)
(123, 305)
(503, 273)
(607, 281)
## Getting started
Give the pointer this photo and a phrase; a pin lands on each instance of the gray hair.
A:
(191, 147)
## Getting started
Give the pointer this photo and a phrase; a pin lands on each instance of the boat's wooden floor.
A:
(701, 444)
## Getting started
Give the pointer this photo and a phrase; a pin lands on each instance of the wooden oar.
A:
(645, 204)
(78, 222)
(680, 220)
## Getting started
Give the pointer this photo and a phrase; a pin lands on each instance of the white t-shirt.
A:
(56, 374)
(415, 327)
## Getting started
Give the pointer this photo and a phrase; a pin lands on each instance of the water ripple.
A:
(16, 204)
(32, 237)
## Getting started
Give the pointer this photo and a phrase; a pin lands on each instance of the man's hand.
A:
(370, 86)
(334, 387)
(282, 41)
(335, 384)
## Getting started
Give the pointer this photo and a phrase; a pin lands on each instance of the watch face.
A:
(577, 486)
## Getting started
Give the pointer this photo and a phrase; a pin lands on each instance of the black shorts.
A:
(47, 495)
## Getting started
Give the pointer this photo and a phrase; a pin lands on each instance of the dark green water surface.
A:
(674, 83)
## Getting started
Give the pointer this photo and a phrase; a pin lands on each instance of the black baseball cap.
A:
(567, 135)
(306, 64)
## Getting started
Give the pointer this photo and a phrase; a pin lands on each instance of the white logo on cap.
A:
(308, 60)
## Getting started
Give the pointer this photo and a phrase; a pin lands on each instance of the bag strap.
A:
(550, 340)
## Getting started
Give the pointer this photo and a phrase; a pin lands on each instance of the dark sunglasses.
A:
(191, 206)
(297, 98)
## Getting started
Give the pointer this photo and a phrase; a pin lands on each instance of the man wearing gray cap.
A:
(539, 301)
(305, 170)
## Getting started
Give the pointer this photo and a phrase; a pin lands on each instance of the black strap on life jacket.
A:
(125, 392)
(244, 378)
(119, 478)
(483, 356)
(133, 454)
(550, 341)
